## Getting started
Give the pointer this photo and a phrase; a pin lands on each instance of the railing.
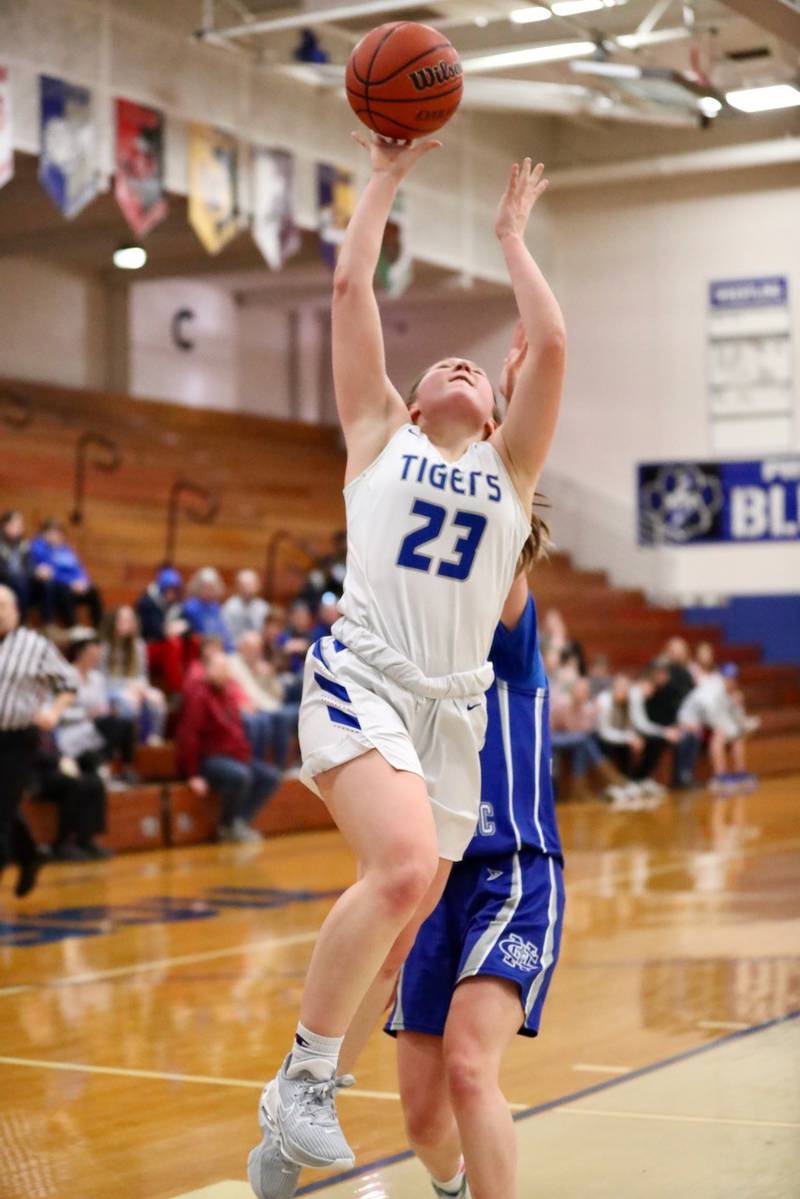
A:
(109, 461)
(199, 515)
(278, 539)
(16, 410)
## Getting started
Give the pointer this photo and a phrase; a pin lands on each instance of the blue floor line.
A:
(394, 1158)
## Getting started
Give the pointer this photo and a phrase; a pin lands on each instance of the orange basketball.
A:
(404, 80)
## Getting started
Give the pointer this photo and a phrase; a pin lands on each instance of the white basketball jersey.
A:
(432, 548)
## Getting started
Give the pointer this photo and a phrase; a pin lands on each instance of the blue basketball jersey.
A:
(517, 808)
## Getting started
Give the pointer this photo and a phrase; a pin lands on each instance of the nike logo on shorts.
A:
(471, 706)
(491, 875)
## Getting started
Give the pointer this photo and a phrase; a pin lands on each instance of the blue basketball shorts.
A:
(499, 917)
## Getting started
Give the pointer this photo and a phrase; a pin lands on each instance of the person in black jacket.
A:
(15, 558)
(158, 603)
(81, 798)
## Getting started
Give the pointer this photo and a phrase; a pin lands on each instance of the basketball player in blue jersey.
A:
(393, 715)
(482, 962)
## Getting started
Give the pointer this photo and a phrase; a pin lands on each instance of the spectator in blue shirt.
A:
(59, 581)
(203, 608)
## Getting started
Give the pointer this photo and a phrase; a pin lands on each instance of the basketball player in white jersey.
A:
(393, 716)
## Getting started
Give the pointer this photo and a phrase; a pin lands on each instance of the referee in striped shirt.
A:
(36, 685)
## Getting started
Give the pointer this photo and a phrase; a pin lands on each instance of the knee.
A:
(401, 885)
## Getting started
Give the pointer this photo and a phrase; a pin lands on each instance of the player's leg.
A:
(395, 842)
(379, 996)
(430, 1123)
(485, 1014)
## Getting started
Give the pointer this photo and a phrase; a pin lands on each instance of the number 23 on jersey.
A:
(464, 549)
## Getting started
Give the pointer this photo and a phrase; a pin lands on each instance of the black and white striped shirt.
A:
(31, 671)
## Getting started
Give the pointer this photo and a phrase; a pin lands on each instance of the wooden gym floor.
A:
(143, 1003)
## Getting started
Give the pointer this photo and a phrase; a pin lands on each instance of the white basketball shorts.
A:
(349, 708)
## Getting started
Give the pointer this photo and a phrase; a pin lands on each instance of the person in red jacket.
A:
(215, 754)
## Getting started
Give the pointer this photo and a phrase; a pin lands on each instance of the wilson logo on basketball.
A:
(442, 72)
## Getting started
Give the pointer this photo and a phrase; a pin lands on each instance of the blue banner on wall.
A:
(690, 503)
(67, 168)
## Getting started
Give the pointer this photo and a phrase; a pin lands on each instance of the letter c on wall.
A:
(179, 321)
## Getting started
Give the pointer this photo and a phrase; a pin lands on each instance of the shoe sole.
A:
(268, 1108)
(254, 1177)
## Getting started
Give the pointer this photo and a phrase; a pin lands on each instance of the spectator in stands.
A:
(677, 659)
(59, 582)
(124, 663)
(327, 615)
(203, 607)
(158, 607)
(89, 732)
(600, 678)
(716, 706)
(555, 636)
(292, 645)
(171, 645)
(561, 675)
(80, 795)
(15, 558)
(270, 722)
(573, 716)
(705, 661)
(656, 721)
(245, 611)
(214, 751)
(620, 741)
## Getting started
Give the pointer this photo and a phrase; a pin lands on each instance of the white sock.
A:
(319, 1055)
(454, 1185)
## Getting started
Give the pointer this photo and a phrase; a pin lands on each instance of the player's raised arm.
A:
(370, 409)
(524, 438)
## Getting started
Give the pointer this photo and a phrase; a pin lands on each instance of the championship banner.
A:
(139, 178)
(213, 175)
(336, 199)
(395, 265)
(274, 230)
(701, 503)
(6, 129)
(68, 145)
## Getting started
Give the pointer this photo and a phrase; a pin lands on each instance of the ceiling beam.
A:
(779, 17)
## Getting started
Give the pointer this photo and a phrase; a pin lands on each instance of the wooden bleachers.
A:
(268, 476)
(271, 476)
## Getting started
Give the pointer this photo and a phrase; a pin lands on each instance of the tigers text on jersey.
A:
(517, 808)
(431, 552)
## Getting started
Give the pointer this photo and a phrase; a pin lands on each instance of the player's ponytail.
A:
(539, 542)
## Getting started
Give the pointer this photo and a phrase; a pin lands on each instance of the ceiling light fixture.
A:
(504, 60)
(574, 8)
(129, 258)
(611, 70)
(764, 99)
(710, 106)
(534, 12)
(633, 41)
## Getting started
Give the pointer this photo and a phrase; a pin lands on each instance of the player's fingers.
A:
(360, 138)
(432, 143)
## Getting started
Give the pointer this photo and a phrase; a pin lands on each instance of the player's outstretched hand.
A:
(395, 159)
(525, 185)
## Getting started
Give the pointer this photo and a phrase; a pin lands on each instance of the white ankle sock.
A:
(452, 1187)
(312, 1052)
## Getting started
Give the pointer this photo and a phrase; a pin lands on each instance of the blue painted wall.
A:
(771, 621)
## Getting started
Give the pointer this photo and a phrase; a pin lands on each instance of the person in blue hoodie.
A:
(60, 582)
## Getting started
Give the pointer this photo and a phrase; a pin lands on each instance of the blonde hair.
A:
(539, 542)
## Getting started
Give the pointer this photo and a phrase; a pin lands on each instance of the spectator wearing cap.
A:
(60, 582)
(215, 754)
(203, 607)
(245, 611)
(159, 604)
(15, 558)
(716, 706)
(171, 647)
